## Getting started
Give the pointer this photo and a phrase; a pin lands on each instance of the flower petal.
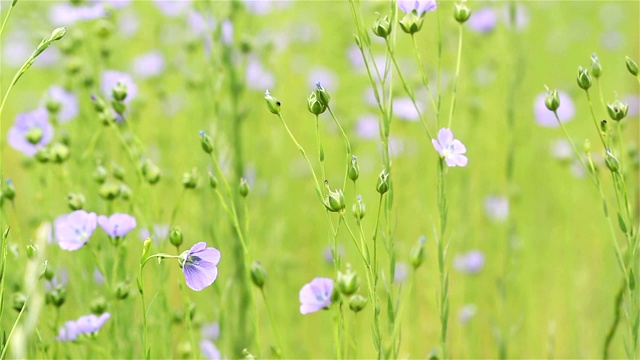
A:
(445, 137)
(458, 147)
(199, 277)
(437, 146)
(459, 160)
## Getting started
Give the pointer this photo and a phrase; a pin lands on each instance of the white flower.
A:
(450, 149)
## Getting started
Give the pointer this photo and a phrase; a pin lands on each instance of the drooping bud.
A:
(258, 274)
(596, 67)
(314, 106)
(611, 161)
(382, 27)
(416, 256)
(334, 201)
(122, 290)
(357, 303)
(243, 188)
(354, 169)
(53, 106)
(151, 172)
(100, 174)
(76, 201)
(322, 95)
(382, 184)
(190, 179)
(461, 13)
(43, 155)
(175, 236)
(411, 23)
(358, 209)
(213, 181)
(9, 191)
(618, 110)
(56, 297)
(98, 306)
(98, 103)
(59, 152)
(109, 190)
(119, 92)
(206, 142)
(117, 171)
(273, 104)
(125, 192)
(19, 301)
(348, 282)
(632, 66)
(583, 79)
(552, 101)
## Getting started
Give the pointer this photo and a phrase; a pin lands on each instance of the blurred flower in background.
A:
(258, 78)
(149, 64)
(173, 8)
(496, 207)
(470, 262)
(111, 78)
(483, 20)
(467, 312)
(117, 225)
(68, 102)
(74, 230)
(30, 132)
(85, 325)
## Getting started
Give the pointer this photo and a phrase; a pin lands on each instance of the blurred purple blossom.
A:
(173, 8)
(85, 325)
(327, 254)
(111, 78)
(18, 47)
(521, 18)
(160, 233)
(117, 225)
(420, 6)
(633, 101)
(470, 262)
(326, 77)
(60, 279)
(209, 350)
(466, 313)
(98, 278)
(367, 127)
(450, 149)
(227, 32)
(33, 125)
(401, 272)
(404, 110)
(65, 14)
(483, 20)
(315, 295)
(496, 207)
(149, 64)
(545, 118)
(199, 265)
(69, 107)
(210, 331)
(200, 24)
(73, 230)
(258, 78)
(264, 7)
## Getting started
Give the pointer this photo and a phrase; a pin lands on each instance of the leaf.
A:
(623, 226)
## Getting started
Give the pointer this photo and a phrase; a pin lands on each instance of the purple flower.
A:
(420, 6)
(466, 313)
(401, 272)
(209, 350)
(148, 65)
(449, 148)
(227, 32)
(160, 233)
(117, 225)
(496, 207)
(258, 77)
(85, 325)
(367, 127)
(405, 110)
(210, 330)
(74, 230)
(173, 8)
(111, 78)
(545, 117)
(199, 266)
(315, 295)
(470, 263)
(98, 278)
(483, 20)
(561, 150)
(327, 254)
(68, 103)
(66, 14)
(30, 132)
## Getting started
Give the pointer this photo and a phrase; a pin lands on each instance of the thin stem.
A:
(6, 18)
(456, 76)
(347, 145)
(273, 324)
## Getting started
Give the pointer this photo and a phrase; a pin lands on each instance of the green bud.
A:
(416, 256)
(43, 155)
(75, 201)
(247, 355)
(322, 95)
(596, 67)
(151, 172)
(258, 274)
(98, 103)
(98, 305)
(31, 251)
(411, 23)
(334, 201)
(175, 236)
(190, 179)
(358, 209)
(74, 66)
(107, 117)
(103, 28)
(461, 13)
(100, 174)
(382, 184)
(587, 145)
(611, 161)
(119, 91)
(19, 301)
(552, 102)
(213, 182)
(34, 135)
(117, 171)
(315, 107)
(584, 79)
(273, 104)
(125, 192)
(603, 126)
(206, 142)
(56, 297)
(109, 190)
(618, 110)
(145, 252)
(348, 282)
(59, 153)
(58, 34)
(53, 106)
(357, 303)
(49, 274)
(184, 350)
(632, 66)
(243, 188)
(354, 169)
(382, 27)
(9, 191)
(119, 107)
(122, 290)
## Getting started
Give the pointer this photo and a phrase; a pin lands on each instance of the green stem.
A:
(456, 76)
(273, 324)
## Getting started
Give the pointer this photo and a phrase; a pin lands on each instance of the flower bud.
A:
(9, 191)
(122, 290)
(243, 188)
(322, 95)
(125, 192)
(184, 350)
(461, 13)
(273, 104)
(119, 92)
(49, 274)
(314, 106)
(109, 190)
(587, 145)
(34, 135)
(75, 201)
(58, 34)
(59, 153)
(348, 282)
(382, 27)
(584, 79)
(358, 209)
(56, 297)
(618, 110)
(258, 274)
(103, 28)
(190, 179)
(411, 23)
(611, 161)
(552, 101)
(603, 126)
(31, 251)
(98, 103)
(247, 355)
(354, 169)
(100, 174)
(175, 236)
(43, 155)
(19, 301)
(357, 303)
(151, 172)
(334, 201)
(416, 256)
(98, 306)
(206, 142)
(53, 106)
(213, 182)
(632, 66)
(145, 252)
(117, 171)
(382, 184)
(596, 67)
